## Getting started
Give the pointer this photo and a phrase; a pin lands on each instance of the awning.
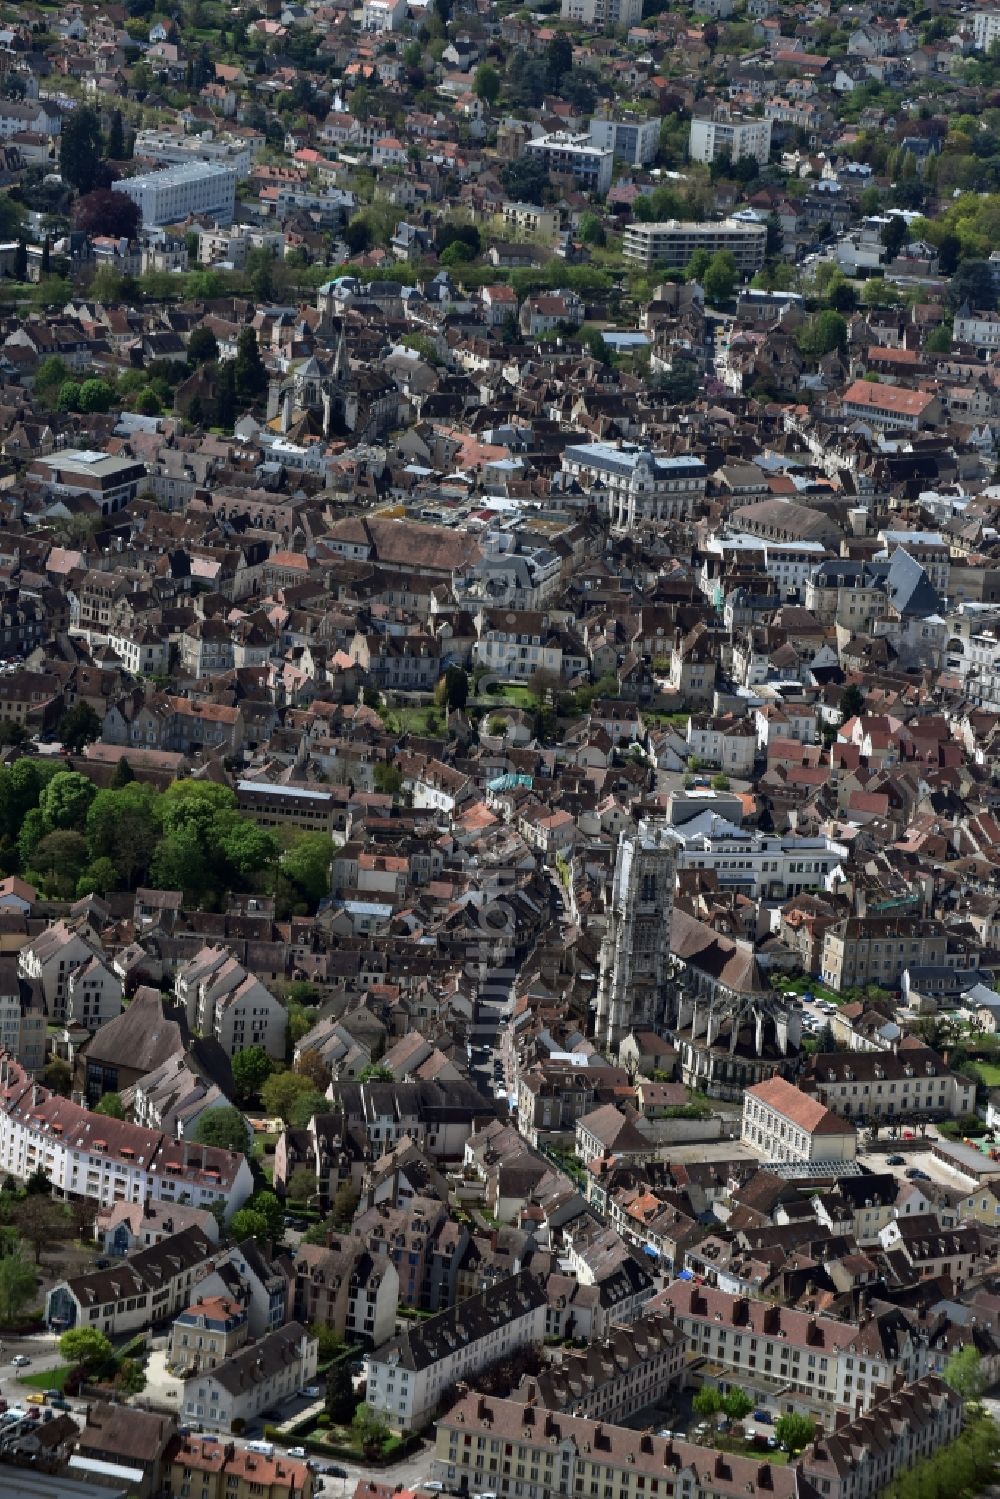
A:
(685, 1275)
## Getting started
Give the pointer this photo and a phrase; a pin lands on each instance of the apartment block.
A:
(828, 1361)
(211, 1469)
(635, 141)
(739, 137)
(409, 1377)
(601, 13)
(258, 1376)
(565, 152)
(521, 1451)
(630, 1368)
(673, 242)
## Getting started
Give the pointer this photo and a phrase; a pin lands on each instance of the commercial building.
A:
(741, 138)
(761, 865)
(640, 484)
(601, 13)
(169, 196)
(635, 141)
(566, 152)
(410, 1376)
(106, 1160)
(674, 242)
(785, 1124)
(109, 481)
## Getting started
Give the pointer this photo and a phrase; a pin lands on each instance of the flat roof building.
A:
(192, 187)
(563, 151)
(674, 242)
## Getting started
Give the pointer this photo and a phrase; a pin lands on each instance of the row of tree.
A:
(61, 832)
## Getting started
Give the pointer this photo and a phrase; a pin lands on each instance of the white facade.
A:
(562, 151)
(179, 150)
(635, 141)
(600, 13)
(106, 1160)
(171, 195)
(765, 867)
(640, 484)
(383, 15)
(784, 1124)
(224, 1001)
(673, 242)
(979, 328)
(709, 139)
(986, 28)
(260, 1375)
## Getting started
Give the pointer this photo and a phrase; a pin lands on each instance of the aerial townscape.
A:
(499, 749)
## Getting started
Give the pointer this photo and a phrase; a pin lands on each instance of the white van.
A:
(266, 1449)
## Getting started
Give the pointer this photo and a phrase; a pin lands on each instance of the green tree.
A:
(376, 1072)
(49, 379)
(852, 701)
(17, 1285)
(707, 1402)
(61, 856)
(307, 865)
(111, 1105)
(894, 234)
(225, 1128)
(341, 1401)
(487, 83)
(57, 1076)
(823, 333)
(939, 340)
(66, 800)
(251, 1070)
(280, 1094)
(116, 137)
(202, 346)
(100, 876)
(456, 687)
(309, 1102)
(311, 1066)
(86, 1348)
(122, 827)
(247, 847)
(720, 278)
(130, 1378)
(964, 1372)
(251, 376)
(737, 1405)
(270, 1209)
(80, 148)
(371, 1431)
(78, 726)
(21, 260)
(592, 231)
(388, 779)
(345, 1205)
(794, 1431)
(247, 1224)
(558, 59)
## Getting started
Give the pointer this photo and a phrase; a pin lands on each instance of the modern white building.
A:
(568, 152)
(601, 13)
(633, 140)
(640, 484)
(173, 194)
(764, 866)
(673, 242)
(173, 149)
(383, 15)
(226, 1002)
(986, 29)
(741, 137)
(106, 1160)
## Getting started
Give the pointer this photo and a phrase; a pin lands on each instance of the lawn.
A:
(50, 1379)
(989, 1072)
(813, 987)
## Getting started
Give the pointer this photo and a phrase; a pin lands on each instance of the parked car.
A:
(20, 1360)
(311, 1391)
(914, 1174)
(36, 1398)
(60, 1403)
(764, 1416)
(296, 1452)
(895, 1160)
